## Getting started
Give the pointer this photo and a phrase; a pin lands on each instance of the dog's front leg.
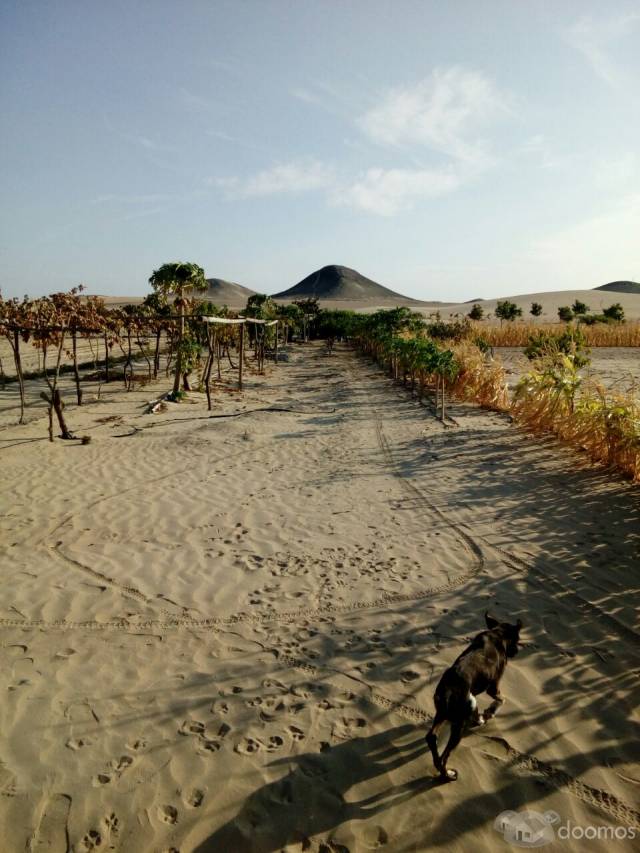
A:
(494, 691)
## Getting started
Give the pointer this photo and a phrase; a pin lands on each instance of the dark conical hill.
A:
(620, 287)
(337, 283)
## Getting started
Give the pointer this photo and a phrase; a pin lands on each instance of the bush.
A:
(536, 309)
(614, 312)
(477, 312)
(565, 313)
(579, 308)
(507, 310)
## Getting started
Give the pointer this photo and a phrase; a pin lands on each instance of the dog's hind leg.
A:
(454, 739)
(494, 691)
(432, 736)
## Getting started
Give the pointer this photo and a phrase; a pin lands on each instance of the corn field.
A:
(599, 335)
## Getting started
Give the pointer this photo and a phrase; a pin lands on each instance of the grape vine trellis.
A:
(56, 325)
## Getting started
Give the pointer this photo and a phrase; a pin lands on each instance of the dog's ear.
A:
(491, 622)
(519, 625)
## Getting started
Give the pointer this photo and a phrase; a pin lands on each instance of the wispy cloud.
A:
(443, 112)
(386, 192)
(295, 176)
(595, 40)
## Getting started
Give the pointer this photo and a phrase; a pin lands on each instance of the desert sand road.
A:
(223, 634)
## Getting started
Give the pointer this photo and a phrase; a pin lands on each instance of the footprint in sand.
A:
(65, 653)
(375, 837)
(137, 745)
(275, 742)
(191, 727)
(409, 675)
(122, 764)
(195, 798)
(347, 726)
(91, 841)
(296, 733)
(101, 779)
(208, 746)
(111, 823)
(78, 742)
(247, 746)
(168, 814)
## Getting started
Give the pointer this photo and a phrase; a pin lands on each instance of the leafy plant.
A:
(507, 310)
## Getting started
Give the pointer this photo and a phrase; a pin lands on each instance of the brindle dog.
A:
(478, 669)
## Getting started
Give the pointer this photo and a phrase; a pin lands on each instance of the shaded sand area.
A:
(223, 634)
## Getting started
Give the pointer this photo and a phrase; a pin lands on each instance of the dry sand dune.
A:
(223, 634)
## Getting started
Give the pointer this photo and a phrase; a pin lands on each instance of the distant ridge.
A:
(336, 283)
(222, 292)
(620, 287)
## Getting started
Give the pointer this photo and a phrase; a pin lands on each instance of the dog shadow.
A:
(311, 798)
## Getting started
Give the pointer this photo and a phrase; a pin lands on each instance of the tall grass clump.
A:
(553, 398)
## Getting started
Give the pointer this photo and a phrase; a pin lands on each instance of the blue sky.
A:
(447, 150)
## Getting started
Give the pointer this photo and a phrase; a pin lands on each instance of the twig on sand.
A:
(228, 415)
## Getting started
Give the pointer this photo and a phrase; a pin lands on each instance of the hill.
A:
(341, 284)
(620, 287)
(222, 292)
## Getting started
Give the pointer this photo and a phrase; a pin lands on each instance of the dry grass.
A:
(480, 379)
(552, 398)
(604, 423)
(599, 335)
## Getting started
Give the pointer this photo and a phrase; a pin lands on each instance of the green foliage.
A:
(565, 314)
(550, 348)
(333, 325)
(477, 312)
(507, 310)
(309, 306)
(456, 331)
(176, 277)
(482, 344)
(261, 306)
(614, 312)
(579, 308)
(536, 309)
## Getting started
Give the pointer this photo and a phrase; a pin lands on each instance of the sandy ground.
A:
(223, 634)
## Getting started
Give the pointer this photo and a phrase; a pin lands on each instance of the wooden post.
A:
(276, 353)
(106, 358)
(240, 360)
(178, 376)
(18, 363)
(75, 367)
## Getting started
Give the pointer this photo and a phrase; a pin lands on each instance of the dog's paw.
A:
(450, 775)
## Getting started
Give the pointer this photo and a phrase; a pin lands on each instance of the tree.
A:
(536, 309)
(477, 312)
(614, 312)
(174, 279)
(580, 308)
(507, 311)
(565, 314)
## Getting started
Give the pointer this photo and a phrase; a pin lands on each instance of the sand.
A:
(223, 634)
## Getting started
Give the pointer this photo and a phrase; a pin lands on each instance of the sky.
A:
(450, 151)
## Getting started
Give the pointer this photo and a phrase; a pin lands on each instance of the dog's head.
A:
(509, 633)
